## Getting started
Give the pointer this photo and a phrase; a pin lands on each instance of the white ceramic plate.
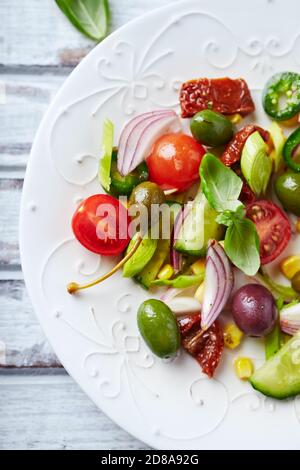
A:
(140, 68)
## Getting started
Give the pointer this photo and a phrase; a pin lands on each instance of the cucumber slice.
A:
(255, 164)
(199, 227)
(279, 377)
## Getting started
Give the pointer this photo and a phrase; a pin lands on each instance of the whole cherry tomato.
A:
(174, 162)
(273, 228)
(101, 225)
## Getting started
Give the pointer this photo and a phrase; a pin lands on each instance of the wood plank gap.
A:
(9, 380)
(12, 172)
(55, 70)
(11, 273)
(32, 372)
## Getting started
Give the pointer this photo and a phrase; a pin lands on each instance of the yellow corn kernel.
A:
(198, 267)
(235, 118)
(232, 336)
(243, 368)
(199, 295)
(298, 225)
(290, 266)
(166, 272)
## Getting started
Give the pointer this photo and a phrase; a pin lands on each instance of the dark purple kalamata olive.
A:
(254, 310)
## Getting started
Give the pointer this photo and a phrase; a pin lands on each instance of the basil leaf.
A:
(180, 282)
(227, 218)
(221, 186)
(90, 17)
(242, 246)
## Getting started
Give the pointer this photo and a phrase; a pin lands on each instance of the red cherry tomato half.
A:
(174, 162)
(273, 228)
(101, 225)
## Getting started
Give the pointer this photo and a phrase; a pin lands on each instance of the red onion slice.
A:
(290, 319)
(136, 144)
(151, 133)
(128, 129)
(136, 138)
(170, 294)
(214, 290)
(184, 305)
(218, 284)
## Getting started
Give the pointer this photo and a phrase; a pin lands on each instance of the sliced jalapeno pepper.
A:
(281, 97)
(124, 185)
(290, 149)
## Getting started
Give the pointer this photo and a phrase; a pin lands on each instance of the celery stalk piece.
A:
(279, 140)
(107, 151)
(256, 165)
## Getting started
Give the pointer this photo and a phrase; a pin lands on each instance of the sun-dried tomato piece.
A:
(234, 149)
(247, 195)
(224, 95)
(206, 348)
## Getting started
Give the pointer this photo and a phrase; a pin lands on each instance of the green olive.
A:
(287, 188)
(159, 328)
(211, 129)
(296, 282)
(147, 194)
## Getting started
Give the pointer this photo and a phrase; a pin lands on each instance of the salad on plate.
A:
(198, 217)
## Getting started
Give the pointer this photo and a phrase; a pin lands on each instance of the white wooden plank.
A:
(22, 342)
(51, 412)
(36, 32)
(25, 99)
(10, 197)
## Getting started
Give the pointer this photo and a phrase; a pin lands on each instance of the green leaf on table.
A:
(242, 245)
(90, 17)
(221, 186)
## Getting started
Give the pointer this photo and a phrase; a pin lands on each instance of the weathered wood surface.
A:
(38, 408)
(51, 412)
(35, 33)
(10, 197)
(22, 342)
